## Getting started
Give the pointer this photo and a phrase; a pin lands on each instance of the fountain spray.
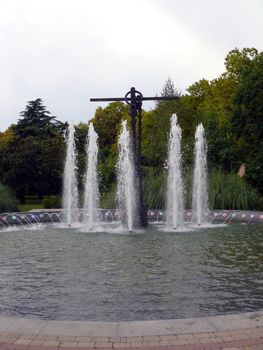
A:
(91, 196)
(70, 188)
(127, 189)
(200, 192)
(175, 192)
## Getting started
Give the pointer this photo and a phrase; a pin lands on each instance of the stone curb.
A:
(133, 328)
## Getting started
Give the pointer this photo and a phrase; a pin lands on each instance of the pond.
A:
(57, 273)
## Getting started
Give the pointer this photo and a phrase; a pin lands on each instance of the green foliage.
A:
(108, 198)
(154, 188)
(188, 186)
(221, 148)
(107, 123)
(156, 126)
(33, 154)
(8, 200)
(36, 121)
(6, 137)
(81, 132)
(247, 122)
(31, 166)
(237, 61)
(52, 202)
(229, 191)
(222, 105)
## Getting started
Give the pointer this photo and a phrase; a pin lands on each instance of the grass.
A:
(29, 206)
(32, 202)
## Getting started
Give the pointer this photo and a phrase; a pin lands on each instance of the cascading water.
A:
(175, 192)
(127, 195)
(91, 197)
(70, 188)
(200, 192)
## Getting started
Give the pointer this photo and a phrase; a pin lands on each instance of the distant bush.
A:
(225, 190)
(52, 202)
(108, 199)
(229, 191)
(8, 201)
(154, 189)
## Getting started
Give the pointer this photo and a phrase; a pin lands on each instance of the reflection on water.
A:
(68, 274)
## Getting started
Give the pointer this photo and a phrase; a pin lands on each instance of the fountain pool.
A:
(69, 274)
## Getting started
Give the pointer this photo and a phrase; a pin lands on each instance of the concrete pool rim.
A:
(132, 328)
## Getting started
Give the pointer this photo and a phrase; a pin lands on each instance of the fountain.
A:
(113, 277)
(70, 188)
(200, 192)
(127, 193)
(91, 196)
(174, 194)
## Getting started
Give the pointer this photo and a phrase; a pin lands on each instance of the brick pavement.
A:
(242, 339)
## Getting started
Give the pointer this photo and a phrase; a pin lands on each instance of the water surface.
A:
(60, 274)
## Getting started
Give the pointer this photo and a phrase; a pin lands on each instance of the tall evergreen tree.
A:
(33, 160)
(156, 126)
(36, 121)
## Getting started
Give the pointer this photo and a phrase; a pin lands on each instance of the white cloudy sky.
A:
(66, 51)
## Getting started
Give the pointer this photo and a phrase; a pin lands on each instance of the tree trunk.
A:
(21, 196)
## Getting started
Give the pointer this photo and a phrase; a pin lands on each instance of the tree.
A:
(7, 136)
(155, 128)
(33, 156)
(31, 166)
(247, 122)
(211, 102)
(236, 62)
(169, 89)
(8, 200)
(36, 121)
(81, 132)
(107, 123)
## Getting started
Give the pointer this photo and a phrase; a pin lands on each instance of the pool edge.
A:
(132, 328)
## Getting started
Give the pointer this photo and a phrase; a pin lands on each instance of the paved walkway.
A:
(241, 331)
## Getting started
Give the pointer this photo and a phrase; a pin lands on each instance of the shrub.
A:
(8, 201)
(229, 191)
(108, 198)
(154, 189)
(52, 202)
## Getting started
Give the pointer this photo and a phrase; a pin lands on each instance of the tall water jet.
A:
(70, 188)
(175, 190)
(91, 196)
(127, 193)
(200, 192)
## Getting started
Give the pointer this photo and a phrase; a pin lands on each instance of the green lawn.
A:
(29, 206)
(32, 202)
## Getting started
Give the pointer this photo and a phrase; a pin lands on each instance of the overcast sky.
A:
(66, 51)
